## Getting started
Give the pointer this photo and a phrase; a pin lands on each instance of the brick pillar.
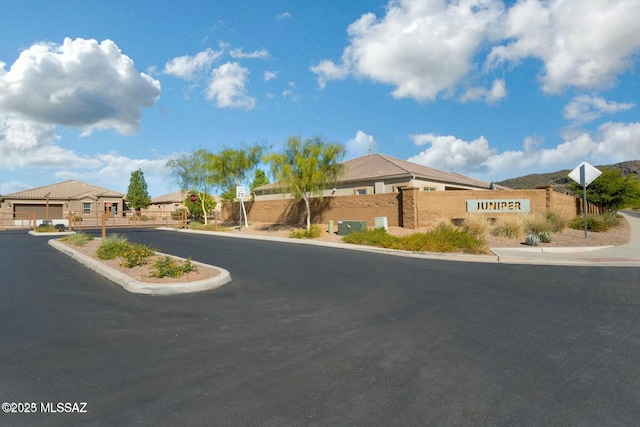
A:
(410, 208)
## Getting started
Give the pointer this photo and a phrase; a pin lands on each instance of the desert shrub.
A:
(536, 224)
(78, 239)
(476, 226)
(46, 228)
(378, 237)
(196, 225)
(170, 267)
(557, 220)
(510, 227)
(444, 238)
(313, 232)
(112, 246)
(135, 254)
(596, 223)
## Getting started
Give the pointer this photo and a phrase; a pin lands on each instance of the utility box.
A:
(348, 227)
(381, 222)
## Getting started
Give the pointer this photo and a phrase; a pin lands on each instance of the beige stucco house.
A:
(54, 202)
(381, 174)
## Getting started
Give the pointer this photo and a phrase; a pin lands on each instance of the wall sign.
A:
(498, 205)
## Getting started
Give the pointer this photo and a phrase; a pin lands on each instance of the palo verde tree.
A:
(197, 209)
(137, 193)
(193, 172)
(611, 191)
(306, 168)
(230, 168)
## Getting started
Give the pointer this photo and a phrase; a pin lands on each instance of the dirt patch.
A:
(141, 273)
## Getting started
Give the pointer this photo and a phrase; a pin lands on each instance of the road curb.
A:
(145, 288)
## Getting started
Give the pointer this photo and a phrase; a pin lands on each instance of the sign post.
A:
(584, 174)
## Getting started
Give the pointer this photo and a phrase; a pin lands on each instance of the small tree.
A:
(137, 193)
(611, 191)
(259, 179)
(307, 168)
(196, 208)
(193, 172)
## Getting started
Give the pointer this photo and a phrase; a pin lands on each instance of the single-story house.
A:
(55, 201)
(380, 174)
(168, 202)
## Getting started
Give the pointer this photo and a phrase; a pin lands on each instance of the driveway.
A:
(308, 335)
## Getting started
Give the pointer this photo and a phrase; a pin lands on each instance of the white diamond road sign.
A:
(590, 174)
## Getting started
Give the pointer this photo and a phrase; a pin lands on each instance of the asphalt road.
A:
(308, 335)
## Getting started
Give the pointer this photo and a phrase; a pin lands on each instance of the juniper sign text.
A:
(498, 205)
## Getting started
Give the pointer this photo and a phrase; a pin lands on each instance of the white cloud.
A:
(582, 44)
(270, 75)
(497, 92)
(361, 144)
(81, 83)
(256, 54)
(28, 144)
(13, 187)
(451, 153)
(228, 87)
(284, 16)
(584, 108)
(187, 66)
(327, 70)
(421, 47)
(611, 143)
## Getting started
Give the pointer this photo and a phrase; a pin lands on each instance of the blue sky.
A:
(95, 90)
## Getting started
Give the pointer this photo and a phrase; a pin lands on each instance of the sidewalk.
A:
(624, 255)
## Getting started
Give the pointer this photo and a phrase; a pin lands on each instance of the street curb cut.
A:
(137, 287)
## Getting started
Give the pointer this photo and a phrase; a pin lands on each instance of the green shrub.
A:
(196, 225)
(112, 246)
(313, 232)
(135, 254)
(46, 228)
(78, 239)
(595, 223)
(510, 227)
(170, 267)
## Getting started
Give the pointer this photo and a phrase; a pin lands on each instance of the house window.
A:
(360, 191)
(86, 207)
(428, 189)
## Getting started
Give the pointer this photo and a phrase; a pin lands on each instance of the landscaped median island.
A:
(139, 268)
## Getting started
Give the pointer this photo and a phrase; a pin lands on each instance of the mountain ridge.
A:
(560, 179)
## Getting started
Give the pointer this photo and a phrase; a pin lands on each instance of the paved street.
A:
(308, 335)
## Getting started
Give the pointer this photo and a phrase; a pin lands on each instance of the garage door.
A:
(55, 211)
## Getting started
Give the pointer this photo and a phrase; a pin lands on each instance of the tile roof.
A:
(66, 190)
(374, 166)
(175, 197)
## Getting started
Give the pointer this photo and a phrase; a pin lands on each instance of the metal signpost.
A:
(584, 174)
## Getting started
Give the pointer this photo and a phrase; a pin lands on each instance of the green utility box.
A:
(348, 227)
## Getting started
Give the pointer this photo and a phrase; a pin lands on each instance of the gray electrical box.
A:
(348, 227)
(381, 222)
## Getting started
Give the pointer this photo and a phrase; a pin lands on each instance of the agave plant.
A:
(545, 236)
(532, 240)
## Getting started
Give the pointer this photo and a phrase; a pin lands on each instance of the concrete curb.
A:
(137, 287)
(49, 234)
